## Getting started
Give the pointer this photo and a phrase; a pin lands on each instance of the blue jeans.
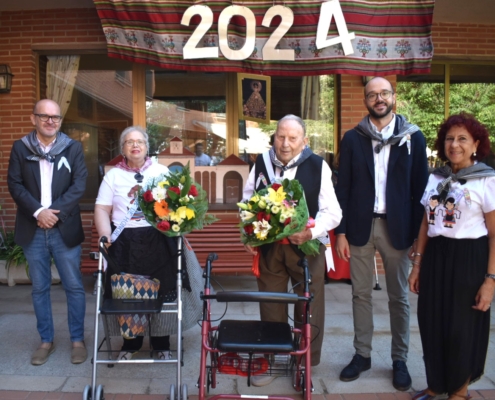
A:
(48, 243)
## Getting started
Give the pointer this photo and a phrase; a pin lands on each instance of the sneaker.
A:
(402, 379)
(262, 380)
(355, 367)
(164, 355)
(126, 355)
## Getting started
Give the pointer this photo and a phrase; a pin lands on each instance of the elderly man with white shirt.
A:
(291, 158)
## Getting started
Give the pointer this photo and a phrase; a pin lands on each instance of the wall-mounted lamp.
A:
(5, 78)
(366, 79)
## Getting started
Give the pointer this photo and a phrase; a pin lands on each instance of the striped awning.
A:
(390, 37)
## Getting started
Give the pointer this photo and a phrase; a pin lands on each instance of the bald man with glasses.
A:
(47, 179)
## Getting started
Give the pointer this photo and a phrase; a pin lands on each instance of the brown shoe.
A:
(79, 353)
(41, 355)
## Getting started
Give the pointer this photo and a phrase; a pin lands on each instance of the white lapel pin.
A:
(63, 161)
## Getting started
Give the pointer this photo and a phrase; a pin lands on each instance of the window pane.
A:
(422, 102)
(100, 108)
(187, 105)
(472, 90)
(311, 98)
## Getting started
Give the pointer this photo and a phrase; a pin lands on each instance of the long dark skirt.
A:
(453, 334)
(144, 251)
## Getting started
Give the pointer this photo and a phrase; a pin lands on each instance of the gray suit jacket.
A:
(68, 187)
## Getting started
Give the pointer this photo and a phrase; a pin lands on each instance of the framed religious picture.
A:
(254, 97)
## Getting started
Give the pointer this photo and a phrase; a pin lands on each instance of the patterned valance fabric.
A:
(391, 37)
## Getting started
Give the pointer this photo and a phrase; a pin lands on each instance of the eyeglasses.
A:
(44, 117)
(385, 94)
(131, 143)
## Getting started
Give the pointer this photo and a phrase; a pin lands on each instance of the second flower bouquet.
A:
(274, 213)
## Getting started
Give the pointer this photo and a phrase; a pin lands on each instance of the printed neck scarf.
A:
(478, 170)
(62, 141)
(405, 130)
(123, 165)
(303, 156)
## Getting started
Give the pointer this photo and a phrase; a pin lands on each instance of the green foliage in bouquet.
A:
(274, 213)
(175, 204)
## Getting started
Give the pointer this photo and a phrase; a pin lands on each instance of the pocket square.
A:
(63, 161)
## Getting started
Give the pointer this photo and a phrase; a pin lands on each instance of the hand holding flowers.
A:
(275, 213)
(175, 204)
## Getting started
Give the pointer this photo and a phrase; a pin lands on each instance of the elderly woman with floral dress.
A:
(454, 263)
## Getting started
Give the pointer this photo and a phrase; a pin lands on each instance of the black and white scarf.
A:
(304, 155)
(478, 170)
(62, 141)
(365, 128)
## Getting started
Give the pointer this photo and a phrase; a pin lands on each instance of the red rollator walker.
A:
(250, 348)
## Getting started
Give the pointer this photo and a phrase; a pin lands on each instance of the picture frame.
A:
(254, 97)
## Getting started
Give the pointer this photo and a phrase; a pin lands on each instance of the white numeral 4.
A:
(328, 10)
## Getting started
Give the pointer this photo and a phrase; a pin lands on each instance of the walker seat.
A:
(254, 337)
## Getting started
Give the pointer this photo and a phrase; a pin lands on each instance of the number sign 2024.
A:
(269, 52)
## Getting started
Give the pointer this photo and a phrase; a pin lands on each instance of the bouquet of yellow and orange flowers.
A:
(175, 204)
(274, 213)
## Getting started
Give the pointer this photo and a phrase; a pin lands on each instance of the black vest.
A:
(308, 174)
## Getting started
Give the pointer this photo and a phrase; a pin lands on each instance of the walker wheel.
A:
(86, 393)
(172, 392)
(303, 385)
(208, 381)
(99, 395)
(184, 392)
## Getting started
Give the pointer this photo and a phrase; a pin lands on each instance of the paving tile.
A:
(59, 378)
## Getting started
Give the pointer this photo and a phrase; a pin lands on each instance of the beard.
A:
(378, 115)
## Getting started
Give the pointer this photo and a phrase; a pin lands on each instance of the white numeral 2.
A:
(270, 52)
(190, 50)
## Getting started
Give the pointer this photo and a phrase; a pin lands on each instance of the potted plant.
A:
(13, 263)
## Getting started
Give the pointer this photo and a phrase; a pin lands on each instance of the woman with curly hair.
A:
(454, 264)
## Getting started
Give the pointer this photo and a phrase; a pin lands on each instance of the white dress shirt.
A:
(46, 175)
(381, 167)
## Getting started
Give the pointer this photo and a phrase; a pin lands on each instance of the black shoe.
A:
(355, 367)
(402, 379)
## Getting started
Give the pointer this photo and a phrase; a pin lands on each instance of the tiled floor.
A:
(59, 379)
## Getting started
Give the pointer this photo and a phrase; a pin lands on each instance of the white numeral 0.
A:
(327, 11)
(223, 25)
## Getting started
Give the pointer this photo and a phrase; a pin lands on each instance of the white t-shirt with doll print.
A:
(461, 215)
(114, 192)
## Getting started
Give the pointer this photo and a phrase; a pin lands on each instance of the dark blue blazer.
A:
(24, 182)
(406, 181)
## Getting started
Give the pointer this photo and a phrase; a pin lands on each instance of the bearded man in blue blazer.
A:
(382, 175)
(47, 179)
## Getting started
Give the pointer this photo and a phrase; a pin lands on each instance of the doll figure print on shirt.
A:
(450, 213)
(432, 209)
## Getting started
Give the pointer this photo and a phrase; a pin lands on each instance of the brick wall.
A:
(19, 32)
(464, 40)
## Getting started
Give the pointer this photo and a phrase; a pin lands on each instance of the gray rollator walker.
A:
(108, 309)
